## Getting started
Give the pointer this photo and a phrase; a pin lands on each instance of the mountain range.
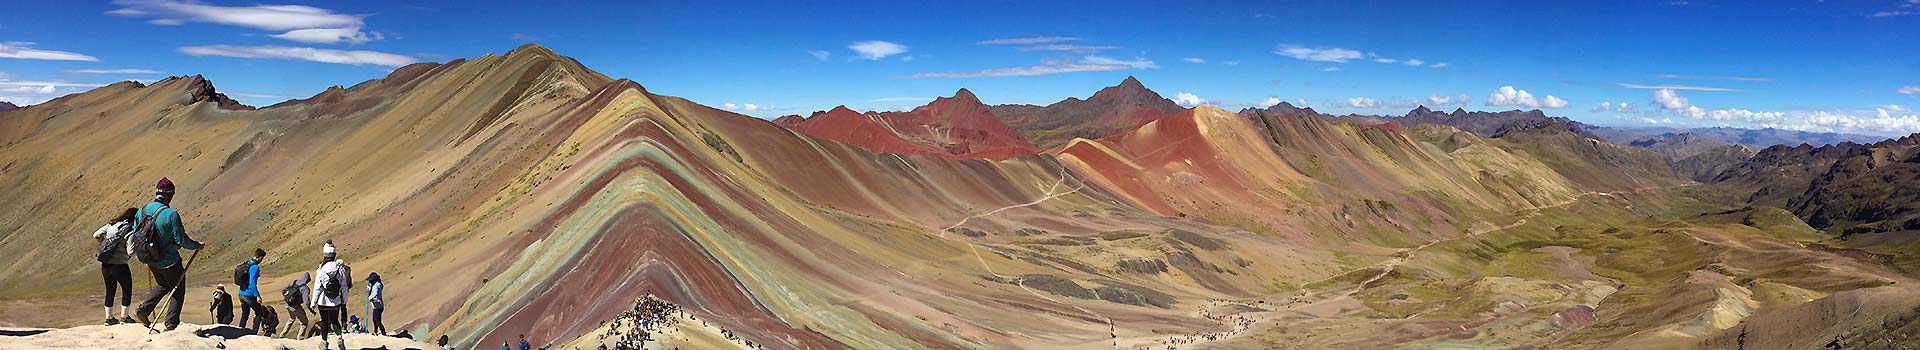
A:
(525, 194)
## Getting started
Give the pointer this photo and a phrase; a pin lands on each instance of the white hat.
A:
(327, 250)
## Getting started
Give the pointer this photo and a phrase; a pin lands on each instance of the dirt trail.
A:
(1051, 193)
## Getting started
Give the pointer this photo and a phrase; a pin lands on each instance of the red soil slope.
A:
(954, 127)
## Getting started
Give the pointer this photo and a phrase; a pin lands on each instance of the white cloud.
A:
(1553, 102)
(1605, 106)
(1269, 102)
(1895, 108)
(1072, 48)
(1673, 87)
(1087, 64)
(1332, 54)
(1031, 40)
(1414, 62)
(521, 37)
(1439, 65)
(1716, 77)
(1881, 121)
(1386, 60)
(1330, 69)
(744, 107)
(1438, 100)
(1362, 102)
(301, 23)
(1509, 96)
(1195, 60)
(1910, 89)
(1625, 108)
(351, 35)
(112, 71)
(876, 50)
(1892, 13)
(1671, 101)
(1189, 100)
(820, 54)
(23, 50)
(1657, 121)
(352, 57)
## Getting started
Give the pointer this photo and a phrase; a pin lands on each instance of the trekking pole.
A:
(167, 302)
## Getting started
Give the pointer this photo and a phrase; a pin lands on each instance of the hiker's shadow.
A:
(224, 332)
(25, 333)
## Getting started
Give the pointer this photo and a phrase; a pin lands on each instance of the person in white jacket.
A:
(113, 262)
(376, 302)
(332, 283)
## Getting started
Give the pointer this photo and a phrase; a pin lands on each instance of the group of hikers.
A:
(153, 235)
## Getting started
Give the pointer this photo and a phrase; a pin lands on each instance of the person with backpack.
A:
(247, 277)
(295, 295)
(375, 300)
(222, 305)
(112, 254)
(157, 241)
(331, 282)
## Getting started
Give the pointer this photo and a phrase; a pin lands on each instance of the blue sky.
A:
(1851, 66)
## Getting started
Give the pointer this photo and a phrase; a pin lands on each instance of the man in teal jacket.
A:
(167, 270)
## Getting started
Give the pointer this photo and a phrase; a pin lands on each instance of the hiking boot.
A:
(112, 321)
(142, 319)
(170, 327)
(125, 319)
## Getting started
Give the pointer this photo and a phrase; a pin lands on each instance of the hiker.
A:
(295, 295)
(246, 277)
(222, 306)
(112, 255)
(443, 342)
(267, 320)
(374, 299)
(523, 343)
(354, 325)
(504, 346)
(165, 266)
(331, 282)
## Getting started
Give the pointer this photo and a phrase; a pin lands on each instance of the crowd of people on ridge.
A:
(153, 235)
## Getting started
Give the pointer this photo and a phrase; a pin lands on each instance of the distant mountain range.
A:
(1754, 138)
(7, 106)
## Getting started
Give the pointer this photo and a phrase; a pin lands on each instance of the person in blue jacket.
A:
(250, 293)
(166, 269)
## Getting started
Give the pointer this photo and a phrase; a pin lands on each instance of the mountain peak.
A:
(965, 96)
(7, 106)
(1131, 82)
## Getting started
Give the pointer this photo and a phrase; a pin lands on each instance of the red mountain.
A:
(953, 127)
(1113, 110)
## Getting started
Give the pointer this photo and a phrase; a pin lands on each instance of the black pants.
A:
(378, 328)
(250, 306)
(330, 320)
(165, 280)
(117, 275)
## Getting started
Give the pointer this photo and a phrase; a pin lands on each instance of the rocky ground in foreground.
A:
(187, 336)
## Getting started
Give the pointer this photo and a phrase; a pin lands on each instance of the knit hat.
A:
(327, 250)
(164, 187)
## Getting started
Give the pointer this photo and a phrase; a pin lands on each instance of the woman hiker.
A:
(113, 262)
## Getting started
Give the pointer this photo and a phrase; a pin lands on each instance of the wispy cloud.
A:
(114, 71)
(1673, 87)
(1414, 62)
(1910, 89)
(876, 50)
(1362, 102)
(1325, 54)
(1029, 40)
(353, 57)
(821, 55)
(24, 50)
(1067, 47)
(1087, 64)
(1439, 65)
(523, 37)
(301, 23)
(1715, 77)
(1195, 60)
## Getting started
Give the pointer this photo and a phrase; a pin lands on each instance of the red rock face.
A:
(953, 127)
